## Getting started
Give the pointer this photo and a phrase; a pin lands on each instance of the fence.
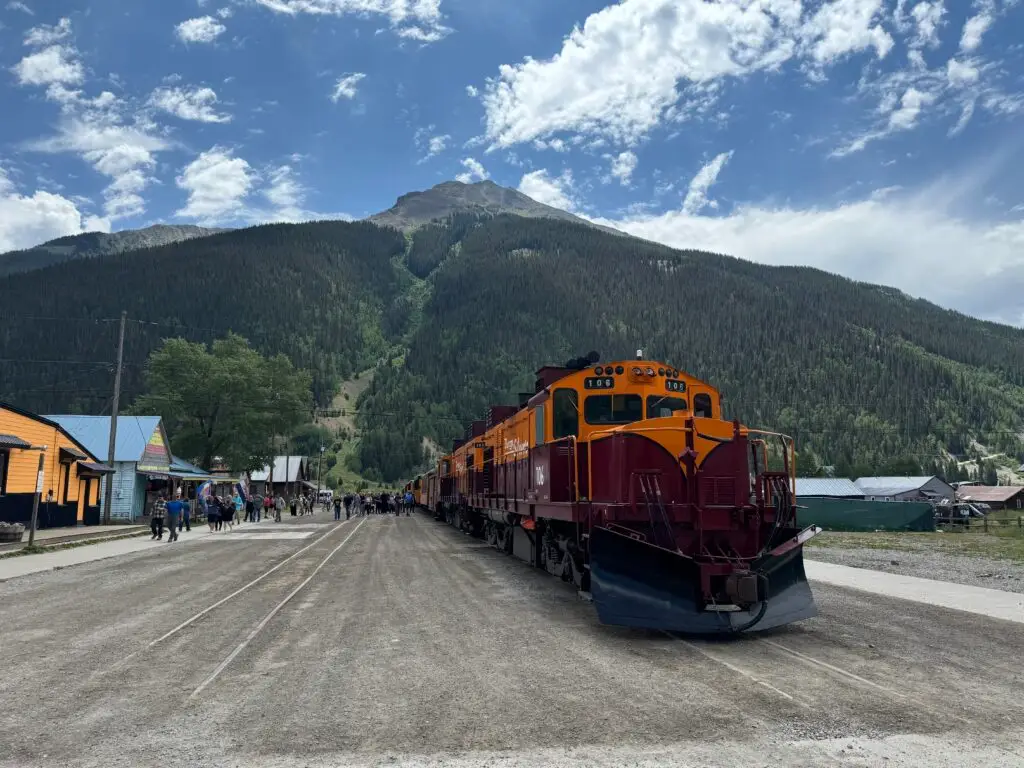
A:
(860, 515)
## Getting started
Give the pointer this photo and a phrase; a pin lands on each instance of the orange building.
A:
(71, 475)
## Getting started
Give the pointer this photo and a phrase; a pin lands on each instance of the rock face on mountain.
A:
(93, 244)
(415, 209)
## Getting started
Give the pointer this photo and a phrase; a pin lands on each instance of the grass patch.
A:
(1001, 544)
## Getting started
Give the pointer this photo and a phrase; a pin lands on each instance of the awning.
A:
(73, 454)
(12, 441)
(92, 466)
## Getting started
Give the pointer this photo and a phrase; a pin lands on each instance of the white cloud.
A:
(217, 184)
(928, 18)
(911, 103)
(204, 29)
(347, 86)
(412, 19)
(287, 198)
(556, 191)
(697, 195)
(432, 145)
(56, 64)
(622, 167)
(47, 35)
(960, 73)
(894, 240)
(27, 220)
(189, 104)
(474, 171)
(974, 29)
(17, 5)
(225, 13)
(639, 62)
(472, 91)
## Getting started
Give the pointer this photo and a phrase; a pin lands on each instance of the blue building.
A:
(142, 448)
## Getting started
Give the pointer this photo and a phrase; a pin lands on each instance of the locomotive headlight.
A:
(650, 371)
(636, 371)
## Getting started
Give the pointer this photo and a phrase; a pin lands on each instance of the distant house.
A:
(290, 473)
(71, 473)
(827, 488)
(931, 489)
(996, 496)
(141, 448)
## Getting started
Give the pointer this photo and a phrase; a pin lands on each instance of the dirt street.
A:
(403, 642)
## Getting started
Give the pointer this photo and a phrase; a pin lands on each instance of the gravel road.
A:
(407, 643)
(975, 571)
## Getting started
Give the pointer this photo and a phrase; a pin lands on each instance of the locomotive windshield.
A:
(613, 409)
(662, 406)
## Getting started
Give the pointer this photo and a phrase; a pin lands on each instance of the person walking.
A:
(348, 505)
(293, 505)
(257, 507)
(278, 508)
(250, 510)
(156, 521)
(186, 513)
(173, 516)
(337, 507)
(239, 504)
(408, 503)
(212, 512)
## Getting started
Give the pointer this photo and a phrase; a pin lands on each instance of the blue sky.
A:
(880, 140)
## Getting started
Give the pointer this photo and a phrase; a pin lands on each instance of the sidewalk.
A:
(51, 536)
(12, 567)
(1008, 606)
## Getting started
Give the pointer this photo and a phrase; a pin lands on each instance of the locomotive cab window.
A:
(565, 413)
(613, 409)
(538, 415)
(702, 405)
(660, 406)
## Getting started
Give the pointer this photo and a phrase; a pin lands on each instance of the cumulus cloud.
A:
(189, 104)
(927, 18)
(472, 91)
(347, 86)
(697, 195)
(638, 62)
(891, 237)
(55, 64)
(474, 171)
(204, 29)
(48, 35)
(556, 191)
(623, 166)
(431, 144)
(412, 19)
(974, 28)
(217, 184)
(27, 220)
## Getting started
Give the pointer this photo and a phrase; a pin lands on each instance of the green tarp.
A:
(860, 515)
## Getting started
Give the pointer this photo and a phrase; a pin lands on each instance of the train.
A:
(625, 480)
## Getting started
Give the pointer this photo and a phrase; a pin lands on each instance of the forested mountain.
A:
(458, 315)
(93, 244)
(454, 198)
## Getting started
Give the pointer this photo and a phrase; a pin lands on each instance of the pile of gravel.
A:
(960, 569)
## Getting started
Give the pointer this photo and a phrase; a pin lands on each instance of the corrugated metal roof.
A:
(133, 433)
(990, 492)
(890, 486)
(13, 441)
(827, 486)
(293, 463)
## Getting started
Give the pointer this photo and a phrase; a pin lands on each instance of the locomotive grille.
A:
(718, 490)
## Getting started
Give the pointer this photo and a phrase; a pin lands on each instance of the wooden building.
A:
(71, 475)
(996, 496)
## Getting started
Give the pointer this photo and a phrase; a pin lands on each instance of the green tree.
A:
(226, 401)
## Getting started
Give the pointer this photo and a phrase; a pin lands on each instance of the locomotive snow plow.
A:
(637, 584)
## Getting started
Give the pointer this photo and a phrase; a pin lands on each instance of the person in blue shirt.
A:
(186, 513)
(173, 516)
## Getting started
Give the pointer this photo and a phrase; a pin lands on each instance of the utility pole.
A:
(319, 467)
(108, 496)
(35, 499)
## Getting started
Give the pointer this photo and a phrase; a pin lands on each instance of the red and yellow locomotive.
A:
(625, 479)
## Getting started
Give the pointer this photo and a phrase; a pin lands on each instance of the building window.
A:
(566, 413)
(66, 468)
(4, 461)
(613, 409)
(702, 405)
(538, 415)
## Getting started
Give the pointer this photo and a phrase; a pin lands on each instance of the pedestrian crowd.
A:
(224, 512)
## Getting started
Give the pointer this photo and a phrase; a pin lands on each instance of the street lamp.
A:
(319, 468)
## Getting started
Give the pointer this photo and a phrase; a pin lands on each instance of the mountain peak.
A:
(414, 209)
